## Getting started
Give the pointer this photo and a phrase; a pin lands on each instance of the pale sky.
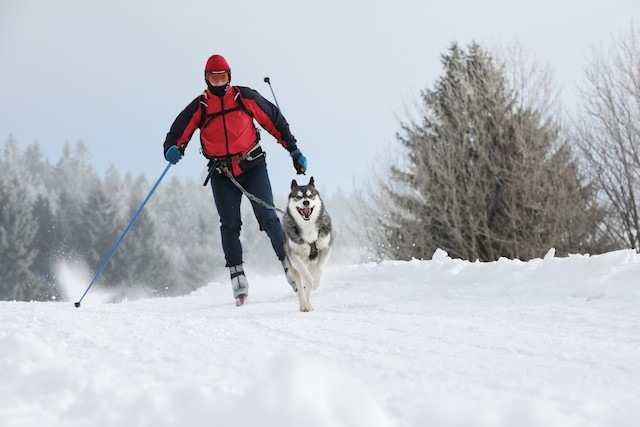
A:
(115, 74)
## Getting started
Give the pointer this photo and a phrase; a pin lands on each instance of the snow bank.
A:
(301, 390)
(446, 342)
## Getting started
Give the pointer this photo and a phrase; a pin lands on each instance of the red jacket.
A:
(226, 125)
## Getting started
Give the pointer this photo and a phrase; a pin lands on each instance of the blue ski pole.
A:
(126, 230)
(268, 81)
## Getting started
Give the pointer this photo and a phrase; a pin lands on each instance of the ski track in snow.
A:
(549, 342)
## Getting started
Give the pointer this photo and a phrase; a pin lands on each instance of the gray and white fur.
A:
(308, 239)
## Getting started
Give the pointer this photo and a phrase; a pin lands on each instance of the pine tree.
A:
(73, 180)
(118, 191)
(68, 218)
(98, 232)
(187, 227)
(202, 258)
(18, 225)
(141, 262)
(482, 179)
(45, 242)
(47, 238)
(17, 230)
(73, 174)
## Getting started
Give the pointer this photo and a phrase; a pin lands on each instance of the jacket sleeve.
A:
(269, 117)
(184, 126)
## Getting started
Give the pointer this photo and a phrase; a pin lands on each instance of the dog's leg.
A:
(307, 291)
(321, 262)
(303, 298)
(313, 280)
(303, 279)
(298, 263)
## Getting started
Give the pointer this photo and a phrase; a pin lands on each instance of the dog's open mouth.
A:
(305, 212)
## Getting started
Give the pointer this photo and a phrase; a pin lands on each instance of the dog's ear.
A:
(294, 183)
(311, 182)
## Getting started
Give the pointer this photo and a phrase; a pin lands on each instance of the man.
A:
(225, 116)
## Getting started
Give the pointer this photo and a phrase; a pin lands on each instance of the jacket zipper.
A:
(224, 125)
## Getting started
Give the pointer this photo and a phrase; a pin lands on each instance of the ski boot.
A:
(239, 284)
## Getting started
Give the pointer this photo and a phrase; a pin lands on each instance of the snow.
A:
(445, 342)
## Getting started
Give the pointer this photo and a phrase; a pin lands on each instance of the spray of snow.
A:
(74, 278)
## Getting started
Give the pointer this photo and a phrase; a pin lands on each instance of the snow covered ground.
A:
(549, 342)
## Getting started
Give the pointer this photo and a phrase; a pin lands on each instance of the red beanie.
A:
(217, 63)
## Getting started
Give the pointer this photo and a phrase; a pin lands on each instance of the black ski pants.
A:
(228, 198)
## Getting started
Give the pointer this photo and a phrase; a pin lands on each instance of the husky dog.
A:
(308, 239)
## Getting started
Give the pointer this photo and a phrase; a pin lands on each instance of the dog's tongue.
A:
(306, 212)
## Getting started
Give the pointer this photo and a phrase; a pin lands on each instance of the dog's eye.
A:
(298, 197)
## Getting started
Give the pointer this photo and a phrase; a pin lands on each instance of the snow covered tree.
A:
(68, 218)
(609, 132)
(99, 233)
(188, 229)
(17, 230)
(40, 170)
(74, 179)
(45, 242)
(67, 212)
(74, 174)
(18, 227)
(485, 174)
(140, 261)
(15, 169)
(119, 191)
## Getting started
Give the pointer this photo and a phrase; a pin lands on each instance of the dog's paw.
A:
(306, 308)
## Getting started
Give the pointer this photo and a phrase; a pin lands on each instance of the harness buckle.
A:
(255, 153)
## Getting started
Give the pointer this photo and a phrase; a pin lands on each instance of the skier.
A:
(225, 116)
